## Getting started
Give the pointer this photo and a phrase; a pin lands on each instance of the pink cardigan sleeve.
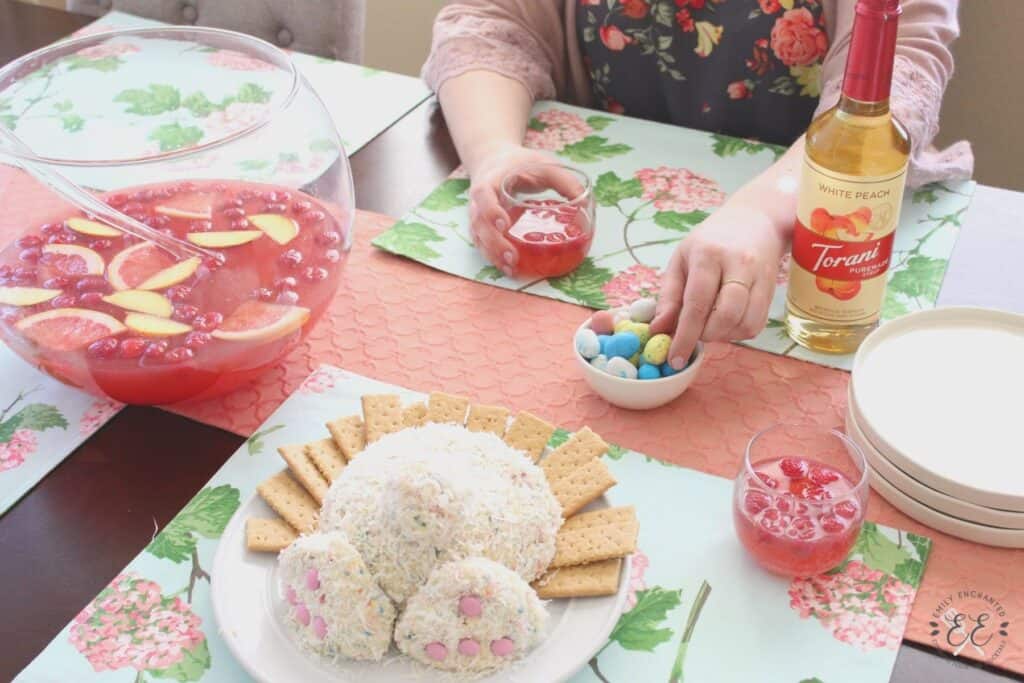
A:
(924, 65)
(521, 39)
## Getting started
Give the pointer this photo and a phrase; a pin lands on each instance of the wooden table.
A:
(91, 515)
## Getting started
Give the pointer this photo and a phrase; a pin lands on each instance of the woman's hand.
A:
(487, 219)
(720, 280)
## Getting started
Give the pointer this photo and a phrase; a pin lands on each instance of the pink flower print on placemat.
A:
(678, 189)
(13, 453)
(234, 117)
(638, 567)
(635, 282)
(107, 49)
(320, 381)
(131, 624)
(554, 130)
(237, 61)
(97, 415)
(861, 606)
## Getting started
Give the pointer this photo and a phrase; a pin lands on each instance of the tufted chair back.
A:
(328, 28)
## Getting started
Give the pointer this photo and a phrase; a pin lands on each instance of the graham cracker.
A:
(442, 407)
(414, 415)
(575, 488)
(382, 414)
(291, 501)
(582, 581)
(585, 520)
(327, 457)
(581, 448)
(268, 535)
(349, 434)
(492, 419)
(595, 543)
(529, 433)
(303, 469)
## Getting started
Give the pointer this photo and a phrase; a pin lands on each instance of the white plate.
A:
(929, 496)
(961, 528)
(248, 612)
(939, 395)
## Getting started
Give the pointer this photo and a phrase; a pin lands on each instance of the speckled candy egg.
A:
(648, 371)
(587, 344)
(641, 330)
(642, 310)
(620, 367)
(656, 349)
(622, 345)
(603, 322)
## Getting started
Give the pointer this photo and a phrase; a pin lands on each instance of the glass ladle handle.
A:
(70, 191)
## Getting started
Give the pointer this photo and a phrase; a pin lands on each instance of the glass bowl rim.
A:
(71, 45)
(588, 185)
(860, 459)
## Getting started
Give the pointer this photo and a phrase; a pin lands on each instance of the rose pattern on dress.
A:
(636, 282)
(130, 624)
(97, 415)
(23, 443)
(554, 130)
(797, 40)
(790, 46)
(861, 606)
(679, 189)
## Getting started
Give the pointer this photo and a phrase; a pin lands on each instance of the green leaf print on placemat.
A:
(409, 239)
(653, 184)
(584, 284)
(451, 194)
(641, 627)
(206, 515)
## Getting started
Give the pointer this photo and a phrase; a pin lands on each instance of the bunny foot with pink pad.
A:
(473, 615)
(334, 607)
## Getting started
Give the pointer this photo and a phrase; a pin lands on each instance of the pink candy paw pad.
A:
(472, 615)
(330, 595)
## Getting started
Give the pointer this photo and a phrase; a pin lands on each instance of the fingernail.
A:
(678, 363)
(501, 224)
(510, 257)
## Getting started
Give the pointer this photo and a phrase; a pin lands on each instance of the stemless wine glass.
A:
(551, 217)
(221, 150)
(799, 498)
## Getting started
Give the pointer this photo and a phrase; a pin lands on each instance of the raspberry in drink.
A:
(109, 313)
(796, 515)
(551, 237)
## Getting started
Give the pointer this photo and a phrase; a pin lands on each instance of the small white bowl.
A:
(638, 394)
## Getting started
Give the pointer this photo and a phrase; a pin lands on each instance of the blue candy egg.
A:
(622, 345)
(602, 339)
(667, 370)
(648, 371)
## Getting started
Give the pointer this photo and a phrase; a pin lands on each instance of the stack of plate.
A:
(937, 405)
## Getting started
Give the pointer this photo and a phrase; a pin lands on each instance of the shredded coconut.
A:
(510, 613)
(334, 606)
(421, 497)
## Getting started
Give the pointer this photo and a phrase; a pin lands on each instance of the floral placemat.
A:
(128, 94)
(653, 183)
(41, 422)
(693, 592)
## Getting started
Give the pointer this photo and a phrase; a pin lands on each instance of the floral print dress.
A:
(750, 68)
